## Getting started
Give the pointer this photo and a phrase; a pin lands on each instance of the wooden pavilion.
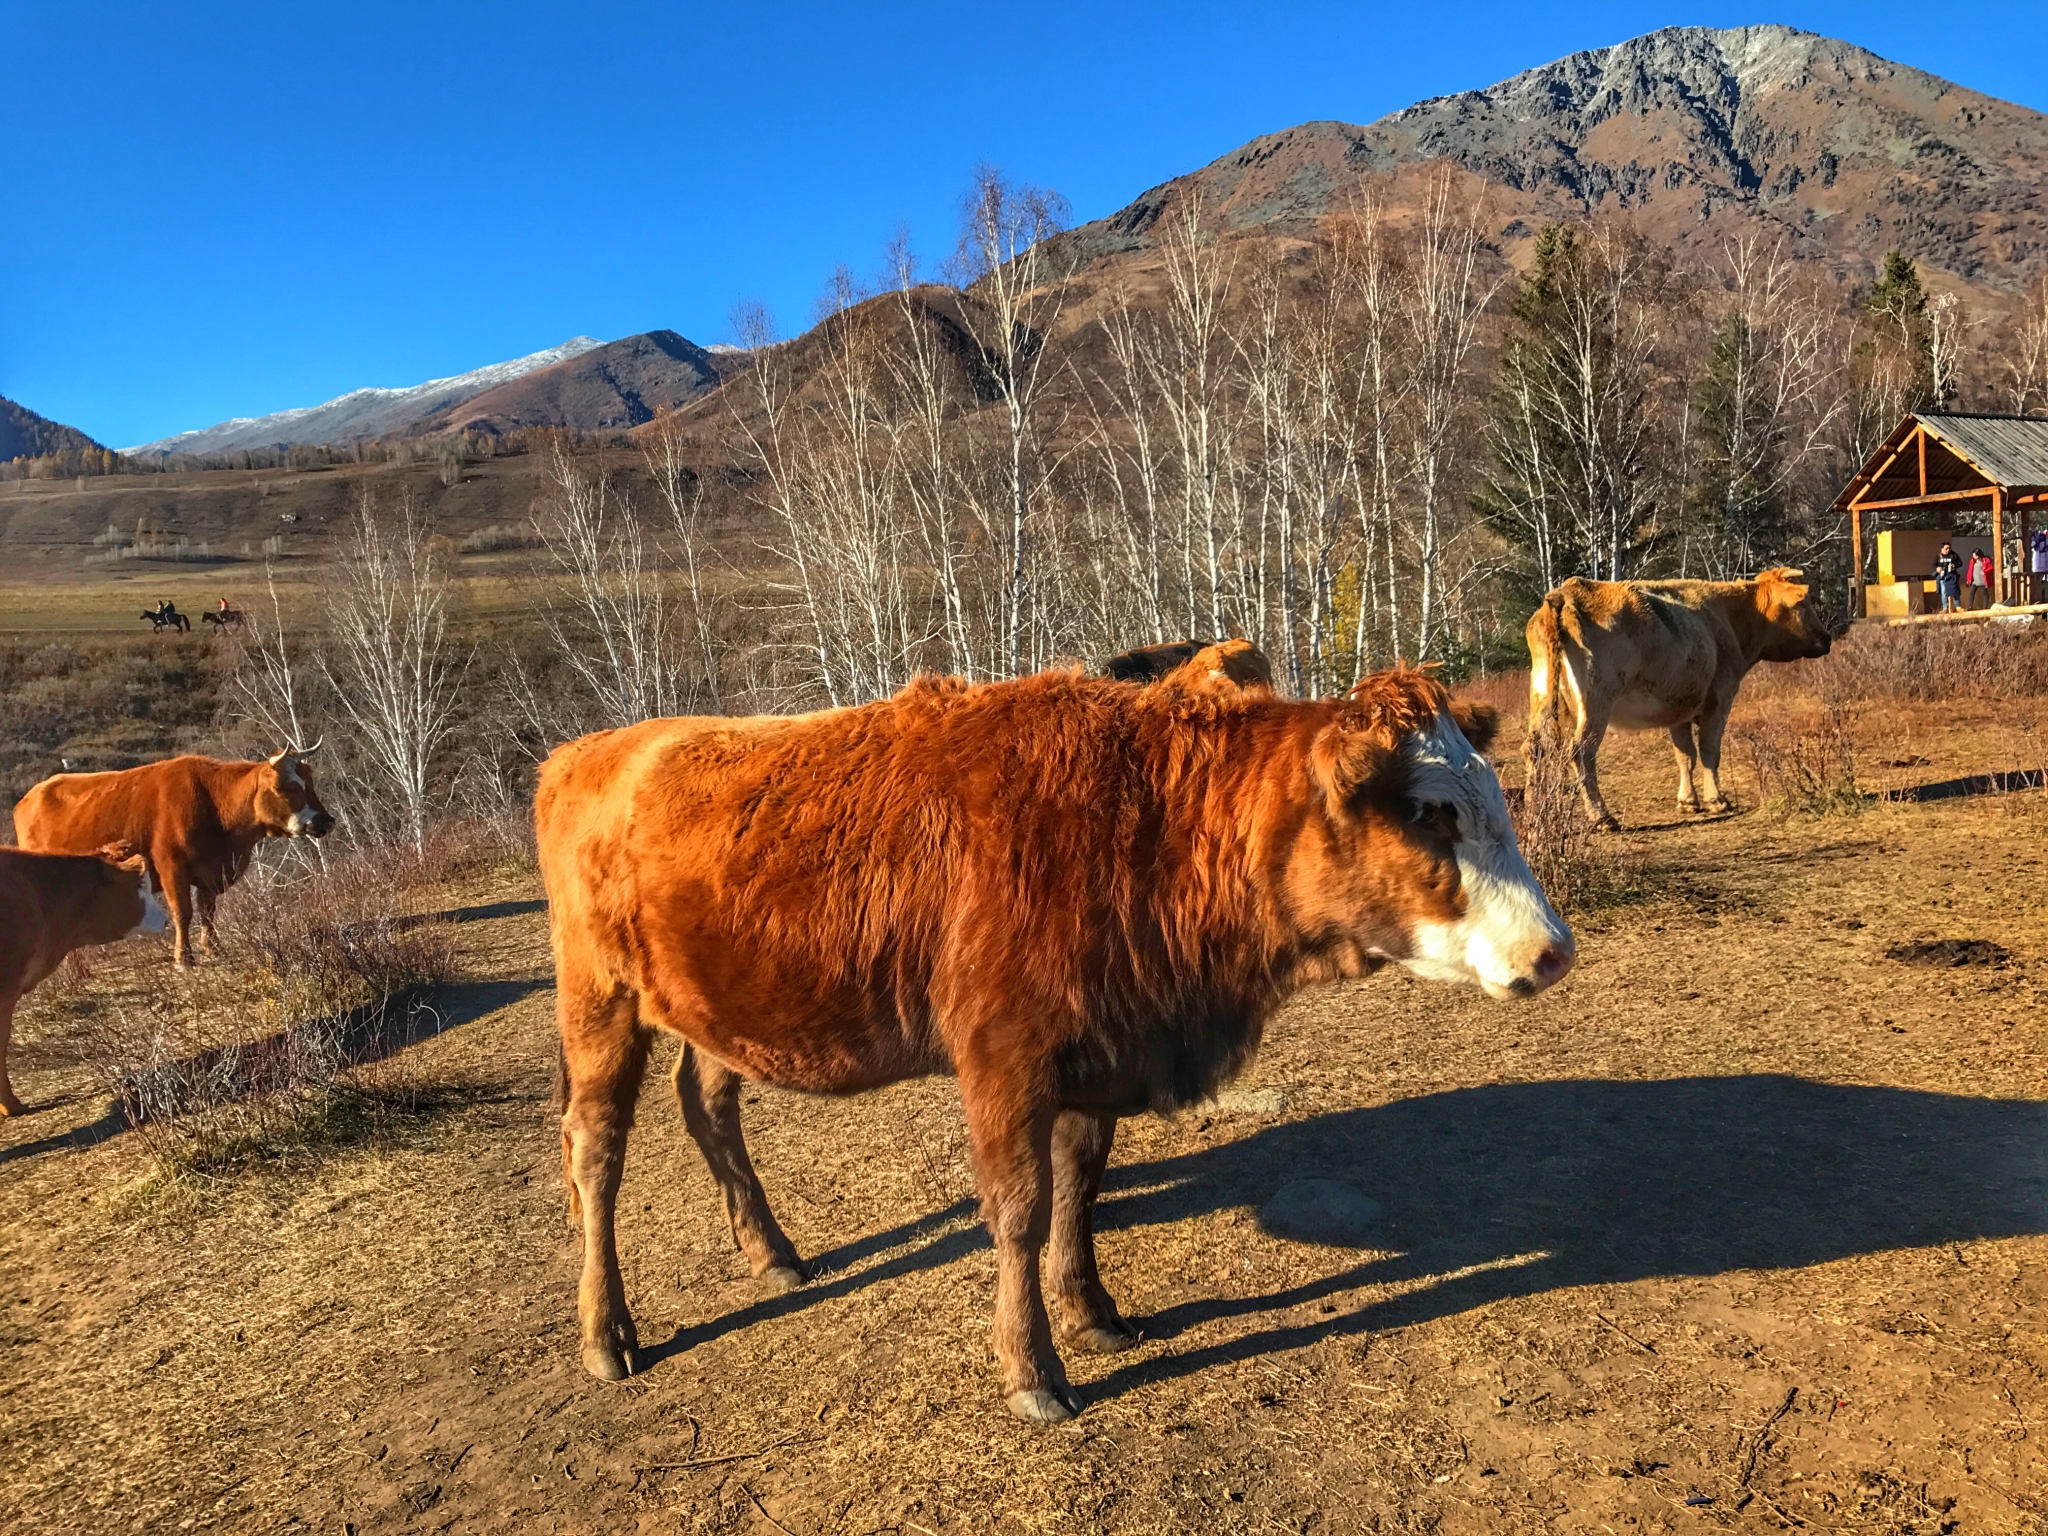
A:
(1940, 462)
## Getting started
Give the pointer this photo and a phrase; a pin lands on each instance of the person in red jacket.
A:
(1977, 580)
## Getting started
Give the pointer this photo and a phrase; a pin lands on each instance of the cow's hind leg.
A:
(709, 1092)
(1682, 745)
(1087, 1316)
(605, 1053)
(1586, 759)
(1012, 1144)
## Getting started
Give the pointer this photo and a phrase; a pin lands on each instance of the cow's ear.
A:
(123, 855)
(1348, 753)
(1479, 722)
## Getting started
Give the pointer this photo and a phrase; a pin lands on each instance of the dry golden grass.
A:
(1744, 1211)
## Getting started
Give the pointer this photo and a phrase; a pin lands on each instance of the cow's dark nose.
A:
(321, 824)
(1551, 965)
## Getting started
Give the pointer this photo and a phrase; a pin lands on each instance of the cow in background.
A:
(1658, 655)
(51, 904)
(1082, 899)
(197, 819)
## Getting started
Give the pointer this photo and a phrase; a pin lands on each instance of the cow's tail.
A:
(558, 1101)
(1549, 681)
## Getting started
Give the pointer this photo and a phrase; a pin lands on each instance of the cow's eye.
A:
(1443, 818)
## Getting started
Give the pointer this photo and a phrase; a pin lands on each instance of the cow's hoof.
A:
(1606, 824)
(780, 1279)
(1103, 1339)
(1044, 1406)
(608, 1362)
(11, 1106)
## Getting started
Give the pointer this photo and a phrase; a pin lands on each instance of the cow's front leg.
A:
(604, 1053)
(1712, 724)
(1012, 1144)
(1087, 1316)
(203, 901)
(9, 1104)
(177, 889)
(709, 1092)
(1688, 757)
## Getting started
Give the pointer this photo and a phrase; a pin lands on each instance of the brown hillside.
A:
(25, 435)
(1699, 135)
(618, 385)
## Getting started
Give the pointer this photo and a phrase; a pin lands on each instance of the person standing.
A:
(2037, 557)
(1948, 578)
(1977, 580)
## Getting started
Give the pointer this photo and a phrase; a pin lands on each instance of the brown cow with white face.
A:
(1659, 655)
(197, 819)
(51, 904)
(1083, 899)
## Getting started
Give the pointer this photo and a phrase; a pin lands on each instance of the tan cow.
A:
(51, 904)
(1658, 655)
(1082, 899)
(198, 819)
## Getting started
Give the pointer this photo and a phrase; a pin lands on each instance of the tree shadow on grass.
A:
(1516, 1189)
(262, 1066)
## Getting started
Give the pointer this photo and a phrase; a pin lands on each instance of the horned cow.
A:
(1658, 655)
(51, 904)
(197, 819)
(1083, 899)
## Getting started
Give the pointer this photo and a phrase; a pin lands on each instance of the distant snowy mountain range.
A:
(361, 412)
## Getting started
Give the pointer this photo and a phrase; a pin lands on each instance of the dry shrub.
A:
(292, 1038)
(1923, 662)
(1804, 759)
(1579, 868)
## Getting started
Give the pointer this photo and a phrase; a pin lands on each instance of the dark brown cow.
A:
(1081, 898)
(196, 818)
(51, 904)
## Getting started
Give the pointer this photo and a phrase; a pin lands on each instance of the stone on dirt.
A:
(1320, 1211)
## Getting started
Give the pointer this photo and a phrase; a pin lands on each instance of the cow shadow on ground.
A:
(1516, 1189)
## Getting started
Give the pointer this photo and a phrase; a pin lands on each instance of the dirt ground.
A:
(1743, 1226)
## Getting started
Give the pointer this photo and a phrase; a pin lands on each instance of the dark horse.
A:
(166, 616)
(226, 618)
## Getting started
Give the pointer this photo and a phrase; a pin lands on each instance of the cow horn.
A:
(309, 751)
(1791, 572)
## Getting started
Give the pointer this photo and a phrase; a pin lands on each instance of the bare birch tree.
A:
(1016, 296)
(392, 666)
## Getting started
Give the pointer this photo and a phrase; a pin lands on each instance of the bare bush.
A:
(1804, 759)
(1918, 662)
(294, 1040)
(1578, 868)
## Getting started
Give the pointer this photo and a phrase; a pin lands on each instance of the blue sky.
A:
(229, 209)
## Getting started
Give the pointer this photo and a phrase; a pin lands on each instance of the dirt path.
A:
(1745, 1212)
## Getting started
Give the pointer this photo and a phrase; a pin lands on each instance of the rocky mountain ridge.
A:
(1699, 134)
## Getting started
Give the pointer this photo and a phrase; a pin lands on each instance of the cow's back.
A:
(1655, 649)
(81, 812)
(807, 897)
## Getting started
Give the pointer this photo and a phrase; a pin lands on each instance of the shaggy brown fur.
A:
(1081, 898)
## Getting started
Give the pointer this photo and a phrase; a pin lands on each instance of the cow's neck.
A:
(232, 789)
(1752, 630)
(1228, 921)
